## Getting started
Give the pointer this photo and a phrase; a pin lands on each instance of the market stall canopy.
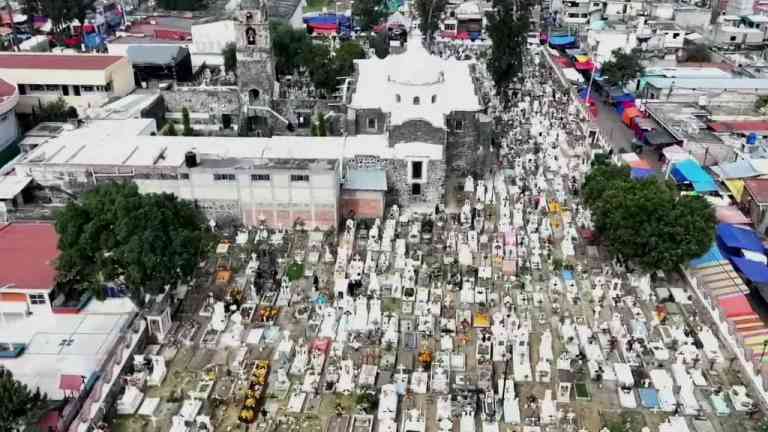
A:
(641, 173)
(712, 257)
(738, 237)
(736, 187)
(735, 170)
(735, 305)
(689, 171)
(562, 41)
(731, 215)
(754, 271)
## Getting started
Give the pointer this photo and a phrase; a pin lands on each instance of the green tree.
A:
(508, 26)
(113, 232)
(186, 5)
(54, 111)
(18, 404)
(369, 13)
(345, 58)
(60, 12)
(187, 125)
(170, 130)
(429, 12)
(230, 57)
(623, 66)
(290, 47)
(319, 127)
(380, 43)
(697, 53)
(647, 222)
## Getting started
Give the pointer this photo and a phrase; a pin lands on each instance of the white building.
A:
(9, 127)
(84, 81)
(740, 7)
(208, 40)
(581, 12)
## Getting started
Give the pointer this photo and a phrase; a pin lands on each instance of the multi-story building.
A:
(581, 12)
(9, 127)
(84, 81)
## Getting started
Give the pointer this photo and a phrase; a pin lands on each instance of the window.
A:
(65, 90)
(299, 178)
(37, 299)
(22, 89)
(184, 176)
(397, 98)
(733, 38)
(76, 90)
(458, 125)
(226, 121)
(87, 89)
(434, 98)
(417, 170)
(260, 177)
(52, 88)
(450, 27)
(675, 35)
(37, 87)
(415, 188)
(372, 123)
(416, 100)
(224, 177)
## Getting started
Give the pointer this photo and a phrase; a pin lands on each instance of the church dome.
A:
(416, 66)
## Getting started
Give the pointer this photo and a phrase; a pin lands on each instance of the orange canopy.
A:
(629, 114)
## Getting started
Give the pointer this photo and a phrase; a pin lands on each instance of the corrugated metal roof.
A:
(154, 54)
(366, 179)
(758, 189)
(739, 126)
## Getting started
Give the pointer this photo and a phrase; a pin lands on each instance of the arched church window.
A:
(397, 98)
(416, 100)
(434, 98)
(249, 17)
(253, 96)
(250, 36)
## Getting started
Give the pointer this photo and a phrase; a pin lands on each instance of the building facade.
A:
(84, 81)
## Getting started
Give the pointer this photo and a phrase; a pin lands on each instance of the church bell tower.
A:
(255, 67)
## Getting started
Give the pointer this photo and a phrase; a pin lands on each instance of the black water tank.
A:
(190, 159)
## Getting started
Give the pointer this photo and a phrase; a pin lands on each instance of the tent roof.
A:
(641, 173)
(735, 170)
(735, 305)
(713, 256)
(735, 236)
(752, 270)
(690, 171)
(731, 215)
(758, 189)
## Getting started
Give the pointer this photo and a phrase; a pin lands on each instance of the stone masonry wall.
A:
(216, 101)
(399, 189)
(416, 131)
(467, 150)
(359, 126)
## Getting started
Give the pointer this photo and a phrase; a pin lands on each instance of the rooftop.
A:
(155, 54)
(708, 83)
(47, 61)
(128, 143)
(27, 254)
(758, 189)
(90, 336)
(441, 86)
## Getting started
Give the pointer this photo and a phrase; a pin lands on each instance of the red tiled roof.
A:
(740, 126)
(758, 189)
(57, 61)
(27, 254)
(71, 382)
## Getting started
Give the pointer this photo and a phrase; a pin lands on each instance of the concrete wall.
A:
(358, 124)
(279, 201)
(9, 129)
(399, 185)
(206, 105)
(365, 204)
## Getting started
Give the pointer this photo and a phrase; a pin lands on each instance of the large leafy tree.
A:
(369, 12)
(290, 46)
(508, 27)
(647, 222)
(623, 66)
(60, 12)
(18, 404)
(429, 12)
(230, 57)
(113, 232)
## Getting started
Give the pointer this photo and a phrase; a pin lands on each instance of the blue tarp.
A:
(562, 41)
(754, 271)
(641, 173)
(649, 397)
(626, 97)
(568, 275)
(689, 171)
(713, 256)
(738, 237)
